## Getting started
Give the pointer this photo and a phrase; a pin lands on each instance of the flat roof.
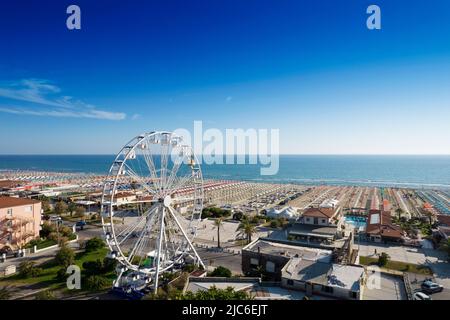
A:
(313, 230)
(320, 272)
(288, 251)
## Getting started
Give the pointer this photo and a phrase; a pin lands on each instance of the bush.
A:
(65, 256)
(221, 272)
(214, 293)
(95, 283)
(47, 228)
(62, 275)
(94, 244)
(238, 216)
(80, 212)
(213, 212)
(93, 267)
(99, 267)
(45, 295)
(109, 265)
(383, 259)
(28, 269)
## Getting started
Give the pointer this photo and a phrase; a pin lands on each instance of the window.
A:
(290, 282)
(9, 212)
(254, 263)
(28, 209)
(270, 266)
(327, 289)
(324, 221)
(316, 220)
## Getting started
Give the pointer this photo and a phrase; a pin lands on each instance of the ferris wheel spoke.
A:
(127, 232)
(163, 175)
(148, 157)
(138, 244)
(174, 171)
(135, 176)
(182, 182)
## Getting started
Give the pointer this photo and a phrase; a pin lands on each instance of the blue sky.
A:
(310, 68)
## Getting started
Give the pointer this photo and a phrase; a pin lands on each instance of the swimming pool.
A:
(357, 222)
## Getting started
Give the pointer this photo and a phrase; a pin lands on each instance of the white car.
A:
(421, 296)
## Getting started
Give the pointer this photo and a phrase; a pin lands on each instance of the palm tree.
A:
(399, 212)
(218, 223)
(429, 215)
(247, 229)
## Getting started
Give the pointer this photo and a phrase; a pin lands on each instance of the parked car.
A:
(421, 296)
(80, 224)
(431, 287)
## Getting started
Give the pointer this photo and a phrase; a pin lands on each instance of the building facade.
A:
(20, 221)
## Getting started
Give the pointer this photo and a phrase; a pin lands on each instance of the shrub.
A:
(45, 295)
(62, 275)
(383, 259)
(28, 269)
(221, 272)
(93, 267)
(96, 282)
(47, 228)
(94, 244)
(65, 256)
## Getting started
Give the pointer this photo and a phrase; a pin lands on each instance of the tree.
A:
(80, 212)
(429, 215)
(65, 256)
(399, 212)
(96, 282)
(383, 259)
(94, 244)
(214, 293)
(218, 223)
(46, 206)
(60, 207)
(28, 269)
(247, 229)
(72, 207)
(93, 267)
(46, 229)
(221, 272)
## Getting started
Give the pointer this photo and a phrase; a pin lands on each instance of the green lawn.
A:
(48, 276)
(397, 265)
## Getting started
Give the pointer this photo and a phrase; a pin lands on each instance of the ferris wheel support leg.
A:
(199, 260)
(158, 254)
(116, 282)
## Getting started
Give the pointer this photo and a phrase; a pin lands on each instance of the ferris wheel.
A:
(151, 205)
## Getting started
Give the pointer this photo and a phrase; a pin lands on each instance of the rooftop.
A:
(320, 212)
(8, 202)
(288, 251)
(333, 275)
(313, 230)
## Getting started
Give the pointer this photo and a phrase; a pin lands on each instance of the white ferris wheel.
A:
(151, 205)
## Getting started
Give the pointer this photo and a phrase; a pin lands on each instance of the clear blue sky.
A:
(310, 68)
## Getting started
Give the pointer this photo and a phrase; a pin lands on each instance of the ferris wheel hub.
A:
(167, 201)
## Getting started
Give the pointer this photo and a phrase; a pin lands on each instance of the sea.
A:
(359, 170)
